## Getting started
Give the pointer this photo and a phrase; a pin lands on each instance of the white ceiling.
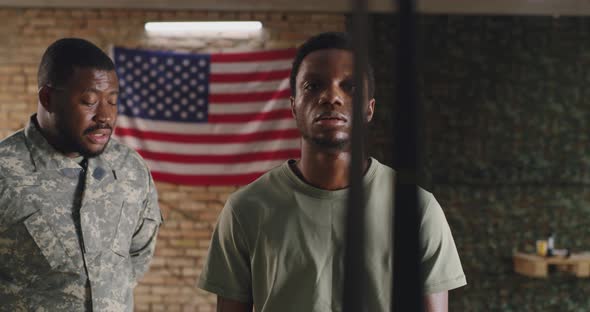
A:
(516, 7)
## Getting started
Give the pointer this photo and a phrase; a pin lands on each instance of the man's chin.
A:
(91, 154)
(331, 143)
(94, 151)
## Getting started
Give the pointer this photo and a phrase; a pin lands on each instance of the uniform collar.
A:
(46, 157)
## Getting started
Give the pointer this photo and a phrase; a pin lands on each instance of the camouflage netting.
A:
(506, 149)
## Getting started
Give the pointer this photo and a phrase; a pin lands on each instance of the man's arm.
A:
(227, 270)
(228, 305)
(143, 242)
(437, 302)
(441, 266)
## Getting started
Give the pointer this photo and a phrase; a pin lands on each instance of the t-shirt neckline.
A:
(313, 191)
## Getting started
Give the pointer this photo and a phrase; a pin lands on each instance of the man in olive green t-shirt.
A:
(279, 242)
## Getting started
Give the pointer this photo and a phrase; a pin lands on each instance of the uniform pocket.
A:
(124, 232)
(48, 243)
(120, 248)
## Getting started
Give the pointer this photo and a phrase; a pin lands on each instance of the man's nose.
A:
(333, 95)
(105, 112)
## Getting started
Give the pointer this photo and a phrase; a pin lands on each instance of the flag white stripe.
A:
(254, 86)
(278, 103)
(250, 107)
(204, 128)
(249, 67)
(209, 149)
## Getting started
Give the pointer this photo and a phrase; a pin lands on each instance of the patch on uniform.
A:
(99, 173)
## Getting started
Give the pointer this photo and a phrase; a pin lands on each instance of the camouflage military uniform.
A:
(72, 239)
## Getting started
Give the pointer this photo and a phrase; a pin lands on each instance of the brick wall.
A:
(190, 212)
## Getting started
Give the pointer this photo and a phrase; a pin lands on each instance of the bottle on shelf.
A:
(550, 244)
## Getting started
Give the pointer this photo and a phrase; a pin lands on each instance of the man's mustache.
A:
(97, 127)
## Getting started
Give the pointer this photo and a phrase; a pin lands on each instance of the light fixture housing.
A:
(215, 28)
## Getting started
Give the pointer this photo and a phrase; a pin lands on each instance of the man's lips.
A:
(331, 117)
(99, 136)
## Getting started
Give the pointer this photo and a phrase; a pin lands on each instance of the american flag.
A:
(206, 119)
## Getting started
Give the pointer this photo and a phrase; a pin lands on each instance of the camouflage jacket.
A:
(63, 249)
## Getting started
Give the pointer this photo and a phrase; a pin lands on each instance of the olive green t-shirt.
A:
(279, 244)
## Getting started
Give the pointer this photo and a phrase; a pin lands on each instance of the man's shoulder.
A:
(388, 173)
(15, 159)
(13, 143)
(381, 170)
(129, 167)
(122, 157)
(267, 187)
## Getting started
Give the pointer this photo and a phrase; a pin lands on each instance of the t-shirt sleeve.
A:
(227, 268)
(441, 267)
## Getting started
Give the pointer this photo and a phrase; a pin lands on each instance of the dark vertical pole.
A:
(354, 259)
(407, 282)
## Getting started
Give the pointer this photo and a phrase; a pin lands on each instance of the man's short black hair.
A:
(63, 56)
(323, 41)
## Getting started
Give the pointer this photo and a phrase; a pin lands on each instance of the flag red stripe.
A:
(271, 115)
(274, 55)
(209, 138)
(223, 98)
(238, 179)
(220, 159)
(245, 77)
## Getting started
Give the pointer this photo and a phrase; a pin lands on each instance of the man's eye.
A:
(348, 87)
(113, 100)
(89, 100)
(310, 86)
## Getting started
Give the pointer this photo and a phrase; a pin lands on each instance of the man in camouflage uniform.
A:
(78, 212)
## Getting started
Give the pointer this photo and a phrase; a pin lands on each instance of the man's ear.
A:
(45, 98)
(370, 109)
(293, 112)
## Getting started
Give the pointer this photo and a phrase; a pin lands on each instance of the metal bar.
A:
(407, 292)
(354, 299)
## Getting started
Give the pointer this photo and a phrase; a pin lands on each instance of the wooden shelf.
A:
(537, 266)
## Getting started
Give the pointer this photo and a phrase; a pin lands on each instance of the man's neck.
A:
(325, 168)
(52, 138)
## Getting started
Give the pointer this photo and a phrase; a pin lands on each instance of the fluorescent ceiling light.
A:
(202, 28)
